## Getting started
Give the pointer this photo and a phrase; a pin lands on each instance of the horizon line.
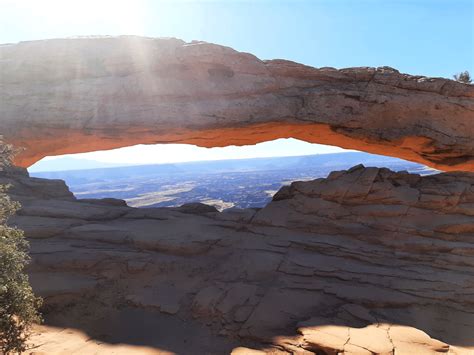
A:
(206, 161)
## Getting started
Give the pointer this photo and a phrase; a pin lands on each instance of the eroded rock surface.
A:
(366, 261)
(85, 94)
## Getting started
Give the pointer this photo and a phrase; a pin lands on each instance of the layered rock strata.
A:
(85, 94)
(366, 261)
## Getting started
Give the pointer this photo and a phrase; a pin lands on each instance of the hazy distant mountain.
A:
(69, 163)
(71, 171)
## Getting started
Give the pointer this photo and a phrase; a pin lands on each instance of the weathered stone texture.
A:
(84, 94)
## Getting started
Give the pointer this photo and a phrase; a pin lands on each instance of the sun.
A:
(117, 16)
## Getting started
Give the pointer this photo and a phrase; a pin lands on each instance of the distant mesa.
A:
(67, 163)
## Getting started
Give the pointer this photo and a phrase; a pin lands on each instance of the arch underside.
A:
(77, 141)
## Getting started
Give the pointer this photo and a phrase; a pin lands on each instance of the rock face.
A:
(85, 94)
(366, 261)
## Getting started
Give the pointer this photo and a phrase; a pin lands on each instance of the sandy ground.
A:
(65, 341)
(108, 330)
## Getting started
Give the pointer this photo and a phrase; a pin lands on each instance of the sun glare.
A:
(123, 17)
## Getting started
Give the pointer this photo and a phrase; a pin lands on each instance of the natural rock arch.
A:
(84, 94)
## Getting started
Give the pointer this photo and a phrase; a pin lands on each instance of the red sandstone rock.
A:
(365, 261)
(76, 95)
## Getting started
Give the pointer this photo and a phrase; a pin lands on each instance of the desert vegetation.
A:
(18, 305)
(463, 77)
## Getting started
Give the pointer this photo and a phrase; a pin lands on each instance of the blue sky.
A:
(427, 37)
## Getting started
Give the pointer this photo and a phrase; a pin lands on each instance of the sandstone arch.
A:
(83, 94)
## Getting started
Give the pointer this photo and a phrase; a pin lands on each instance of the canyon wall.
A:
(84, 94)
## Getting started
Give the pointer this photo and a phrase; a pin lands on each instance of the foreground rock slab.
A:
(364, 261)
(86, 94)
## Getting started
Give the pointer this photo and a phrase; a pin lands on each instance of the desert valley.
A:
(242, 183)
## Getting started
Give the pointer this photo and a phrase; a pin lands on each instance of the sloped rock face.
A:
(85, 94)
(365, 261)
(438, 206)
